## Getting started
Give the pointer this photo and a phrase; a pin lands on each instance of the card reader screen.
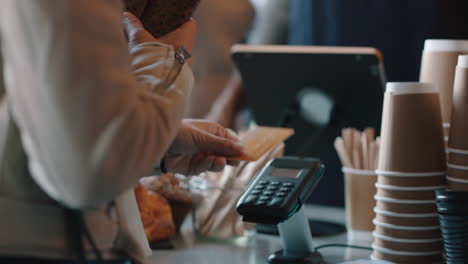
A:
(282, 172)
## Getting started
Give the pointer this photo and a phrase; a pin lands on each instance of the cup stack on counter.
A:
(412, 164)
(458, 140)
(358, 152)
(452, 203)
(439, 60)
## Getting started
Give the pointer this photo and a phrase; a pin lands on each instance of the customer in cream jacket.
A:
(86, 114)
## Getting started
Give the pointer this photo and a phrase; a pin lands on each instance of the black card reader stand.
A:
(297, 242)
(297, 176)
(318, 227)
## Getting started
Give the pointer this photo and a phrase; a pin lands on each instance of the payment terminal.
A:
(279, 190)
(275, 196)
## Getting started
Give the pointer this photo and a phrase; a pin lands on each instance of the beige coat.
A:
(85, 119)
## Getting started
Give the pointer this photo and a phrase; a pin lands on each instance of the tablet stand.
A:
(297, 242)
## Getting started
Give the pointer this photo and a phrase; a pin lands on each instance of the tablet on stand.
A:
(317, 90)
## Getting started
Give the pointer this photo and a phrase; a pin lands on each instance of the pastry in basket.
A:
(156, 214)
(170, 187)
(160, 17)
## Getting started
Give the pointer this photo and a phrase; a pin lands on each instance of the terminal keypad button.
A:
(256, 192)
(263, 182)
(276, 202)
(251, 199)
(281, 194)
(259, 187)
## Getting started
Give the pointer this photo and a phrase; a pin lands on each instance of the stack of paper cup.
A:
(411, 166)
(458, 141)
(438, 66)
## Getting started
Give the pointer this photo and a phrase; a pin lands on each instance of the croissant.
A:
(156, 214)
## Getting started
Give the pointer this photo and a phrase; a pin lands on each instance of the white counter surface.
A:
(256, 249)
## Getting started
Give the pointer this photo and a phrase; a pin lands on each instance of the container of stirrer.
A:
(358, 152)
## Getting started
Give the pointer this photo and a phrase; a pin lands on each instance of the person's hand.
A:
(201, 146)
(137, 34)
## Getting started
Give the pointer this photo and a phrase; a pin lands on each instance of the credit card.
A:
(260, 140)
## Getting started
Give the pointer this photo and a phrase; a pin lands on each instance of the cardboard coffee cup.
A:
(407, 193)
(380, 253)
(412, 138)
(457, 158)
(459, 119)
(405, 206)
(457, 171)
(455, 184)
(411, 245)
(407, 232)
(360, 203)
(406, 219)
(438, 66)
(411, 180)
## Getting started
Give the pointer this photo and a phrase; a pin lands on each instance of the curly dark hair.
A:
(162, 16)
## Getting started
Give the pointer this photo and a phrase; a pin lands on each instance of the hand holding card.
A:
(260, 140)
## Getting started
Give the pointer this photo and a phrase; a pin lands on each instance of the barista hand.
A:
(137, 34)
(201, 146)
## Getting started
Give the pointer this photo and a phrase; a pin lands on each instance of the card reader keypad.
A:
(269, 193)
(276, 192)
